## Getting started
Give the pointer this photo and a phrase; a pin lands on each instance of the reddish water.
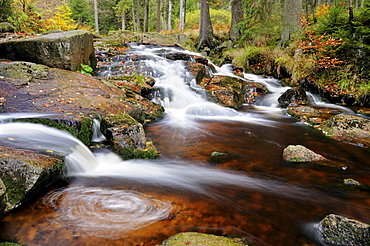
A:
(279, 210)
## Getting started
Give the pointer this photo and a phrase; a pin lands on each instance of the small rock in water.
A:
(351, 182)
(299, 153)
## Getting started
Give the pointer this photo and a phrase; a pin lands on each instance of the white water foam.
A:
(40, 137)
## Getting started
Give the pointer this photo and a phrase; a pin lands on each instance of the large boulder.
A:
(293, 96)
(65, 50)
(195, 238)
(25, 173)
(74, 99)
(339, 230)
(226, 91)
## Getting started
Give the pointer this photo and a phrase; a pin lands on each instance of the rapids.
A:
(250, 191)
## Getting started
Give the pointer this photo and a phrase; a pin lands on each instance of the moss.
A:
(195, 238)
(85, 131)
(150, 152)
(118, 119)
(51, 123)
(9, 244)
(15, 191)
(298, 159)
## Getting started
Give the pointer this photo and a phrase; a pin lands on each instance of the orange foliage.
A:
(322, 47)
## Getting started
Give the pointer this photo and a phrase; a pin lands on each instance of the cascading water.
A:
(252, 193)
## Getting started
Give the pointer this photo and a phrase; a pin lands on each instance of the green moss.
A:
(14, 189)
(85, 132)
(118, 119)
(9, 244)
(298, 159)
(150, 152)
(51, 123)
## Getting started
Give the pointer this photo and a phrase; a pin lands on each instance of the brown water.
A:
(271, 202)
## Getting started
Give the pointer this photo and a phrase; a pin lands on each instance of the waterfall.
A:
(40, 137)
(97, 136)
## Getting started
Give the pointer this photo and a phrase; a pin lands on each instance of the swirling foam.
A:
(104, 212)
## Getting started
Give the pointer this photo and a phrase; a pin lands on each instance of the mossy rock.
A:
(201, 239)
(9, 244)
(25, 173)
(350, 128)
(6, 27)
(127, 137)
(339, 230)
(80, 127)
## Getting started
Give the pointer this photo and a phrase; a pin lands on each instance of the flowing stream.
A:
(249, 191)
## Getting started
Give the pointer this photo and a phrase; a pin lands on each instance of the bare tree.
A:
(96, 16)
(158, 27)
(137, 19)
(169, 24)
(182, 14)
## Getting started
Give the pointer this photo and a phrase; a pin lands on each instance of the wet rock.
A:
(6, 27)
(65, 50)
(24, 173)
(73, 98)
(339, 230)
(293, 96)
(349, 184)
(3, 199)
(178, 56)
(299, 153)
(350, 128)
(199, 71)
(334, 94)
(138, 84)
(194, 238)
(226, 91)
(219, 157)
(252, 92)
(237, 70)
(128, 137)
(313, 116)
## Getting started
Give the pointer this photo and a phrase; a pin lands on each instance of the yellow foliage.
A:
(322, 10)
(61, 19)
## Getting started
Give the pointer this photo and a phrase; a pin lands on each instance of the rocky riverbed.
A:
(72, 101)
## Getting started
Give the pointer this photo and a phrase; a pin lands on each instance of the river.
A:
(248, 191)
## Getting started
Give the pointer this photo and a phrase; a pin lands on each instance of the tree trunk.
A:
(206, 30)
(237, 16)
(123, 20)
(137, 20)
(164, 15)
(146, 16)
(182, 15)
(158, 27)
(350, 11)
(169, 25)
(96, 16)
(291, 19)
